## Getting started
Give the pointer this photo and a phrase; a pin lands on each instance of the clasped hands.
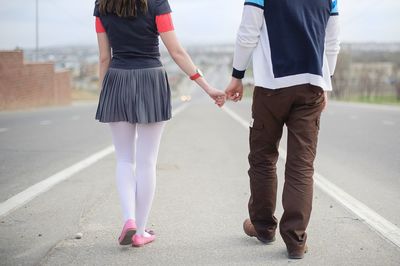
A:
(233, 92)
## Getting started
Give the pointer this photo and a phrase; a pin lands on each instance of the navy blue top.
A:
(134, 41)
(296, 31)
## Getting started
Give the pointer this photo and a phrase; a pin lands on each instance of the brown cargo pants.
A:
(299, 108)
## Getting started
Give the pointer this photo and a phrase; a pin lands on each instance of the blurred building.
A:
(27, 85)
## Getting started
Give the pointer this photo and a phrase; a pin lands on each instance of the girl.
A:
(135, 98)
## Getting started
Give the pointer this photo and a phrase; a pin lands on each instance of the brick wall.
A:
(31, 85)
(11, 59)
(62, 87)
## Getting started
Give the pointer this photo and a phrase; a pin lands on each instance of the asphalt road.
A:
(202, 189)
(36, 144)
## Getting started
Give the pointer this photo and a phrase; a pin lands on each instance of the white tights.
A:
(136, 149)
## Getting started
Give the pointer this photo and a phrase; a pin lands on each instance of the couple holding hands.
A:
(294, 46)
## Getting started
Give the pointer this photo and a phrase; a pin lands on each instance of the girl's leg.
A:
(148, 142)
(124, 135)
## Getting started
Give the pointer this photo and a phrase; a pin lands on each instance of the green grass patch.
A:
(388, 99)
(384, 100)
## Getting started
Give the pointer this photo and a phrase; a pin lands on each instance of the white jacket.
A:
(292, 42)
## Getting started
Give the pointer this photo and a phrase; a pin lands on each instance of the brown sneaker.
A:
(249, 229)
(296, 255)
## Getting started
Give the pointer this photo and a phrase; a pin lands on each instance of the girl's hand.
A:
(217, 95)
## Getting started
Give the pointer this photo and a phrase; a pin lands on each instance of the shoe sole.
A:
(298, 256)
(266, 242)
(141, 245)
(127, 239)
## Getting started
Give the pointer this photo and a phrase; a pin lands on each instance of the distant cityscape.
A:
(82, 61)
(364, 69)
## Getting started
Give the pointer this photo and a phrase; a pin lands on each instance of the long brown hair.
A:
(123, 8)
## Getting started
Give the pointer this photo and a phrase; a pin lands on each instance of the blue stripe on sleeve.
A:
(257, 3)
(334, 8)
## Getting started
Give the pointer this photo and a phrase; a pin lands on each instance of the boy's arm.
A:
(332, 43)
(248, 36)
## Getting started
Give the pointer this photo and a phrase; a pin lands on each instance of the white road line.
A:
(383, 227)
(76, 117)
(388, 123)
(386, 229)
(236, 117)
(3, 130)
(45, 122)
(32, 192)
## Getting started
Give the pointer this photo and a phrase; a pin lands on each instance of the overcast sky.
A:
(70, 22)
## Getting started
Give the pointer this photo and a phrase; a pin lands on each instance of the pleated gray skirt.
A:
(135, 95)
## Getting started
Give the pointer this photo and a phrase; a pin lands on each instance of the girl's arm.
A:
(183, 60)
(104, 54)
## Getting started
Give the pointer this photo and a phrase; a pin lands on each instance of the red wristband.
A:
(195, 76)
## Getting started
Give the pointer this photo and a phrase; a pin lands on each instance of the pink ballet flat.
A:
(140, 241)
(127, 233)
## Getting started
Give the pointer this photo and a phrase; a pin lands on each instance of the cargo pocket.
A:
(256, 124)
(256, 131)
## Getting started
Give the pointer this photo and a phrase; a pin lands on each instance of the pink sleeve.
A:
(164, 23)
(99, 26)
